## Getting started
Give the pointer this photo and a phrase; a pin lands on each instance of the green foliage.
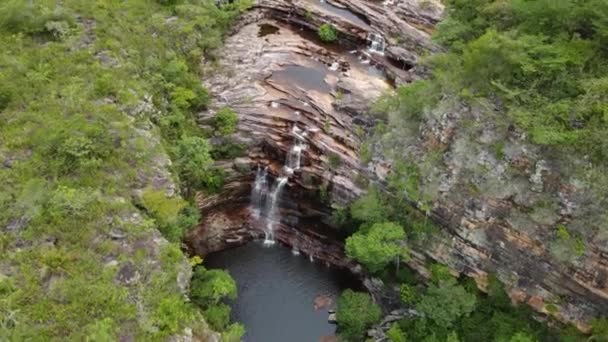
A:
(356, 312)
(208, 287)
(173, 215)
(84, 89)
(228, 150)
(218, 316)
(395, 334)
(22, 17)
(194, 163)
(369, 208)
(543, 58)
(408, 294)
(440, 273)
(226, 121)
(376, 248)
(327, 33)
(599, 330)
(445, 303)
(409, 102)
(171, 314)
(234, 333)
(163, 208)
(565, 246)
(334, 160)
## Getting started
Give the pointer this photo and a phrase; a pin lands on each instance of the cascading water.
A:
(265, 200)
(376, 43)
(258, 192)
(271, 210)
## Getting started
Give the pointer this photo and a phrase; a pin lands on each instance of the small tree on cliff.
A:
(377, 247)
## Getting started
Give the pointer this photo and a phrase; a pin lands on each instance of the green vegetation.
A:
(551, 74)
(93, 95)
(226, 121)
(356, 313)
(565, 246)
(377, 247)
(207, 290)
(538, 67)
(328, 33)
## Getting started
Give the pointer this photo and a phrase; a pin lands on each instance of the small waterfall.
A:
(376, 43)
(265, 200)
(259, 190)
(271, 210)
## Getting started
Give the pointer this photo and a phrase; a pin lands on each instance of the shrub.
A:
(356, 313)
(162, 208)
(194, 164)
(234, 333)
(208, 287)
(407, 294)
(328, 33)
(334, 160)
(218, 316)
(395, 334)
(225, 121)
(228, 150)
(171, 314)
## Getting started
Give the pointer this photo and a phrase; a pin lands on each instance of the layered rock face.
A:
(280, 79)
(280, 84)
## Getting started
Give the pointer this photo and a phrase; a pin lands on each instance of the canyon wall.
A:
(276, 75)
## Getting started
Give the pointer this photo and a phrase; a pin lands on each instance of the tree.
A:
(445, 303)
(356, 313)
(377, 247)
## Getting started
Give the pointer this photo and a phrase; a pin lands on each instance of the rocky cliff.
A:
(496, 209)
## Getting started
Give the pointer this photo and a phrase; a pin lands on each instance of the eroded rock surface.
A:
(275, 83)
(491, 216)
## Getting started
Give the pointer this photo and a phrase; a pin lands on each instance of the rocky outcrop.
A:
(284, 81)
(496, 197)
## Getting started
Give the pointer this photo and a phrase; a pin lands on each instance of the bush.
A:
(218, 316)
(228, 150)
(334, 160)
(395, 334)
(171, 313)
(194, 164)
(356, 313)
(234, 333)
(328, 33)
(208, 287)
(225, 121)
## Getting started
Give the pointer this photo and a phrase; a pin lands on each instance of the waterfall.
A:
(264, 198)
(376, 43)
(258, 192)
(271, 210)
